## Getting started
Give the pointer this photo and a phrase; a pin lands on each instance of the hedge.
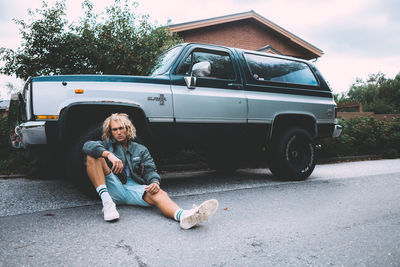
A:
(365, 135)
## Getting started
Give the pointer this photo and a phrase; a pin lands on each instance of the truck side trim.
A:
(286, 90)
(161, 120)
(102, 78)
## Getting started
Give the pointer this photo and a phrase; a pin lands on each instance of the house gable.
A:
(246, 30)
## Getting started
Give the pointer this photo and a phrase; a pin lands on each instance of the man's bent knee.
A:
(99, 162)
(90, 160)
(153, 199)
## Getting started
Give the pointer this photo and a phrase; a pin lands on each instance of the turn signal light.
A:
(78, 91)
(47, 117)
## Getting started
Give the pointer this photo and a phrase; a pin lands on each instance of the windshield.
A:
(164, 61)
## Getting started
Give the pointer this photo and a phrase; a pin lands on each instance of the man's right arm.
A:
(94, 149)
(98, 149)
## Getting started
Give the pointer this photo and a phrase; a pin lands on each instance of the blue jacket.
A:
(136, 157)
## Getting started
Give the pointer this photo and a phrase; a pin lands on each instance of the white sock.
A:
(103, 193)
(178, 215)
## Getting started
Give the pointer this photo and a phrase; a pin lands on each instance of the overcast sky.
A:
(358, 37)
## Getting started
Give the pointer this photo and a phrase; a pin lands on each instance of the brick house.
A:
(247, 30)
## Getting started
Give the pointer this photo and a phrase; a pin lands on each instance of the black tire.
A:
(76, 169)
(292, 156)
(75, 159)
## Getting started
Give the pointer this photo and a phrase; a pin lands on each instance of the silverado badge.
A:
(160, 98)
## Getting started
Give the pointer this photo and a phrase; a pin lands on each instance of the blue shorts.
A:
(130, 193)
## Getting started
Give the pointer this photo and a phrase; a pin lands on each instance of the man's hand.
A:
(118, 166)
(153, 188)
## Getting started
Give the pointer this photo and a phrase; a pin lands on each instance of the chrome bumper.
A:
(29, 133)
(337, 130)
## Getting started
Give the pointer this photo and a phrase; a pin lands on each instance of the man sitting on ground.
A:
(138, 182)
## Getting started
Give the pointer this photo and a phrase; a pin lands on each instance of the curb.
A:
(348, 158)
(204, 166)
(183, 167)
(7, 176)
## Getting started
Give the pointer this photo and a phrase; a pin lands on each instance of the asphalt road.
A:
(345, 214)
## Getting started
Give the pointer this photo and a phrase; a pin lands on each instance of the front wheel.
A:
(75, 159)
(75, 166)
(293, 156)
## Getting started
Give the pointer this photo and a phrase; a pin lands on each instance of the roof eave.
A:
(241, 16)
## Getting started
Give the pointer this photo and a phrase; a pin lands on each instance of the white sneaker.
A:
(199, 214)
(110, 211)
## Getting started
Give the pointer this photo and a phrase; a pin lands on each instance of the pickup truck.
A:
(233, 103)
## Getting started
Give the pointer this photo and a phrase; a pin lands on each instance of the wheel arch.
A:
(288, 120)
(77, 117)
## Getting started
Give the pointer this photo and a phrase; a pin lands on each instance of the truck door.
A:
(217, 99)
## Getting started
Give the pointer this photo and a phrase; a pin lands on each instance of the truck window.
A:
(221, 64)
(264, 68)
(164, 61)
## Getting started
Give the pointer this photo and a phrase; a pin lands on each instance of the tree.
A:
(377, 94)
(11, 88)
(116, 41)
(342, 97)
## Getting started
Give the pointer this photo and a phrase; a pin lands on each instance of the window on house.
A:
(264, 68)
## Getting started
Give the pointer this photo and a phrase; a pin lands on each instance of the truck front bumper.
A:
(29, 133)
(22, 132)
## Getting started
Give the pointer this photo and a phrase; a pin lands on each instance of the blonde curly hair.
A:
(122, 118)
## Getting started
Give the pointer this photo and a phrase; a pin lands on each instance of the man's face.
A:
(118, 131)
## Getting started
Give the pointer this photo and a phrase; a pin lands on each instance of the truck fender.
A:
(88, 113)
(300, 119)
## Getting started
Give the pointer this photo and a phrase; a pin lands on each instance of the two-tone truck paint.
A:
(219, 98)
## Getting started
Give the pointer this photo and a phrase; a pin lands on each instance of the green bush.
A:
(11, 160)
(365, 135)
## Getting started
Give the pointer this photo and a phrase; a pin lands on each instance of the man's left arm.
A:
(150, 173)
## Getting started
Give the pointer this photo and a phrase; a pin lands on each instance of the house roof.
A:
(242, 16)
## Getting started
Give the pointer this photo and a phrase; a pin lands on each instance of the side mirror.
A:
(199, 69)
(190, 82)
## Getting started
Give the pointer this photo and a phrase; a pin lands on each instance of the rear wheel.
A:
(293, 155)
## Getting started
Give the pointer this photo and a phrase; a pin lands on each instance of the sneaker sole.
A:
(112, 218)
(205, 211)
